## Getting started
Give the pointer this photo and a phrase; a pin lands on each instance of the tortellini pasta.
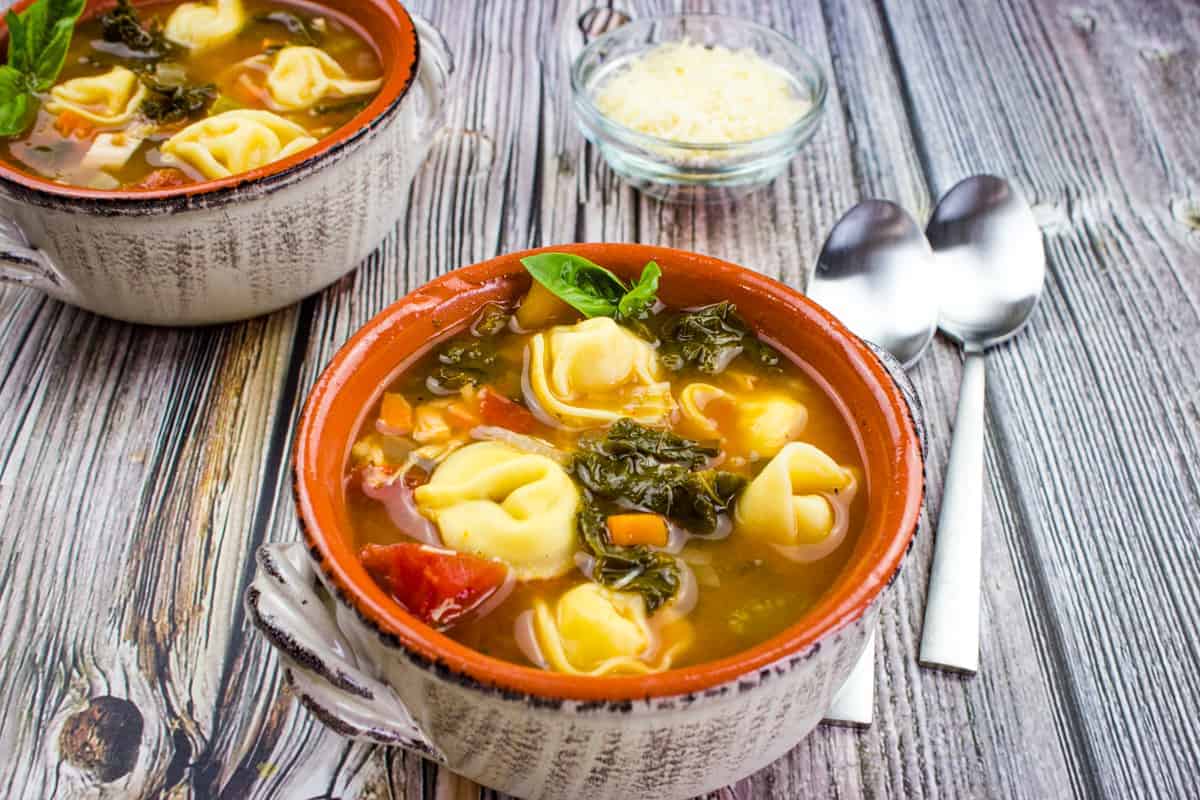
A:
(593, 630)
(492, 500)
(758, 427)
(799, 502)
(594, 373)
(301, 77)
(201, 26)
(109, 99)
(237, 141)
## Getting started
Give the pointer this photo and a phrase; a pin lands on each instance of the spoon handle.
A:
(950, 639)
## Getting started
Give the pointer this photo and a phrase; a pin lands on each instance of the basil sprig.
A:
(38, 39)
(591, 289)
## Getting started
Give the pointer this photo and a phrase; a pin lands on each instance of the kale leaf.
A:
(653, 575)
(709, 338)
(467, 361)
(657, 471)
(123, 25)
(166, 104)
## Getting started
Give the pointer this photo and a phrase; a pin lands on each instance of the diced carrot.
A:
(627, 530)
(396, 414)
(166, 178)
(73, 124)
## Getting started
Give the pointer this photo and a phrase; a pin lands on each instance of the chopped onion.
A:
(526, 638)
(528, 444)
(397, 498)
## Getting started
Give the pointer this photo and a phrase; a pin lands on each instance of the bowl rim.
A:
(851, 595)
(780, 140)
(397, 47)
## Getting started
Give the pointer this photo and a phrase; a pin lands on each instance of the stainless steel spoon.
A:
(991, 265)
(875, 273)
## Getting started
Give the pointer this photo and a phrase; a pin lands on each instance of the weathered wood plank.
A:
(1091, 413)
(131, 461)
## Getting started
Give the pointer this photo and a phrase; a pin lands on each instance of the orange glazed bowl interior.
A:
(845, 367)
(384, 24)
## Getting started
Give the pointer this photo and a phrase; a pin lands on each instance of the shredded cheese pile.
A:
(691, 93)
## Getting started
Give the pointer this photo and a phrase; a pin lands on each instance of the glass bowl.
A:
(688, 170)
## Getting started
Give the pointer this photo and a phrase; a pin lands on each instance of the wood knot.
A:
(1082, 20)
(1187, 211)
(103, 739)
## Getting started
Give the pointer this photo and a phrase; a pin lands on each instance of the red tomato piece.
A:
(166, 178)
(437, 586)
(498, 410)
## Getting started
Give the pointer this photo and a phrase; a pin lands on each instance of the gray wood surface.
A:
(139, 468)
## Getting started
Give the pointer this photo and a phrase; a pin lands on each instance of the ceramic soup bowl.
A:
(368, 669)
(241, 246)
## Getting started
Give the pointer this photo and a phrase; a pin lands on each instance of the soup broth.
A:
(83, 144)
(738, 584)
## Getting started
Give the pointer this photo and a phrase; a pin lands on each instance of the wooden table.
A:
(140, 468)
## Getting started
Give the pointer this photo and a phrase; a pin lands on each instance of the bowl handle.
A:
(23, 264)
(436, 67)
(320, 663)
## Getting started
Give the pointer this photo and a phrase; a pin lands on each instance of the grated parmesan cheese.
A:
(687, 92)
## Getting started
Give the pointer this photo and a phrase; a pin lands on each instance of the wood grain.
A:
(139, 468)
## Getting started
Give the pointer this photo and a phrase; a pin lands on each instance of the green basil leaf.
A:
(18, 42)
(15, 102)
(37, 48)
(50, 60)
(585, 286)
(638, 300)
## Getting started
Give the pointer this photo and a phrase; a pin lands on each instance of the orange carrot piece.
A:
(627, 530)
(69, 123)
(396, 413)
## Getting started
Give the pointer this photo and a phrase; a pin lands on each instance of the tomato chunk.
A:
(498, 410)
(165, 178)
(438, 587)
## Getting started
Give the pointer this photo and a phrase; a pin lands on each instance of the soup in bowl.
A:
(593, 505)
(209, 160)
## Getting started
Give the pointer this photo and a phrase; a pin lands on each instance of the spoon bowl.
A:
(989, 259)
(875, 273)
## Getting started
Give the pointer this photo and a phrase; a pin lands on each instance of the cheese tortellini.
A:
(237, 141)
(301, 77)
(758, 427)
(597, 631)
(202, 26)
(109, 99)
(492, 500)
(595, 372)
(798, 502)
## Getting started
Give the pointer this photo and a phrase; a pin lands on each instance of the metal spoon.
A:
(991, 265)
(875, 273)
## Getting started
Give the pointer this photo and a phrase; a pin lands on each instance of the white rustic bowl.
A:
(234, 248)
(368, 669)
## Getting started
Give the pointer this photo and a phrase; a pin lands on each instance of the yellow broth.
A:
(748, 592)
(237, 70)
